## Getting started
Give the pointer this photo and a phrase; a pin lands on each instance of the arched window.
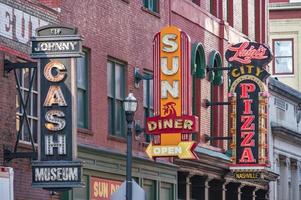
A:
(217, 95)
(198, 70)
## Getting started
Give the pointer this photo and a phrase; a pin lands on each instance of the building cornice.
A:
(284, 6)
(281, 130)
(108, 151)
(284, 90)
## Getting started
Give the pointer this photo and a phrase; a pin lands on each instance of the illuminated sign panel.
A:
(173, 122)
(247, 175)
(102, 189)
(248, 107)
(57, 166)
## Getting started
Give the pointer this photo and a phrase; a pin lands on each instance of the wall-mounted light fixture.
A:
(138, 77)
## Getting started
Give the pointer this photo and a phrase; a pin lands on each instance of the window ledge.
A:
(85, 131)
(126, 1)
(283, 75)
(150, 12)
(117, 138)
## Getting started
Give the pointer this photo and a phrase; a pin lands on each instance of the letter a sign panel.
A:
(248, 106)
(57, 167)
(173, 122)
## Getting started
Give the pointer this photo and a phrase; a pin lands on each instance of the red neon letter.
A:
(246, 88)
(247, 141)
(247, 156)
(247, 106)
(248, 124)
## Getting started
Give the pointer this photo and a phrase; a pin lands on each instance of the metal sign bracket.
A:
(8, 67)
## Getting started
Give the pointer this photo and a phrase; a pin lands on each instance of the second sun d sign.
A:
(57, 167)
(249, 107)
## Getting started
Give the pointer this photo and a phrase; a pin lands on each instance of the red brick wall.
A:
(285, 14)
(10, 49)
(124, 31)
(22, 168)
(120, 30)
(237, 13)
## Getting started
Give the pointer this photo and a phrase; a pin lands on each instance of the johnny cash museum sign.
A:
(57, 167)
(248, 108)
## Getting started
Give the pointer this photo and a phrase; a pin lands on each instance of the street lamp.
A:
(130, 107)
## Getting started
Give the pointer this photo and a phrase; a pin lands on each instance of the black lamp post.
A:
(130, 107)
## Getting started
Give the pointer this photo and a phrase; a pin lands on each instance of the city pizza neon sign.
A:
(248, 99)
(248, 116)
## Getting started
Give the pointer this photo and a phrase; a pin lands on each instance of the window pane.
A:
(18, 104)
(109, 79)
(81, 108)
(155, 5)
(110, 117)
(151, 5)
(119, 84)
(116, 88)
(283, 65)
(166, 191)
(26, 77)
(148, 92)
(146, 3)
(82, 72)
(17, 122)
(25, 131)
(34, 86)
(283, 48)
(118, 118)
(82, 90)
(35, 104)
(35, 127)
(149, 187)
(151, 93)
(145, 86)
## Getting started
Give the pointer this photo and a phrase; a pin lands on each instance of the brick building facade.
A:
(19, 20)
(118, 36)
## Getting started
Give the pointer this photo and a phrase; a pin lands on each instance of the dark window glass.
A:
(152, 5)
(166, 191)
(149, 187)
(148, 100)
(24, 75)
(82, 90)
(115, 93)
